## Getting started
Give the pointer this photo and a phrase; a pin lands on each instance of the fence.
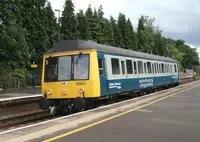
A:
(186, 73)
(16, 82)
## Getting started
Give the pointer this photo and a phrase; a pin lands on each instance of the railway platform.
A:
(171, 115)
(23, 92)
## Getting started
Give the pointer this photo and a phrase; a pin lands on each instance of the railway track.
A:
(23, 111)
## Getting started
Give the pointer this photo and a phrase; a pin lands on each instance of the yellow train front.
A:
(69, 75)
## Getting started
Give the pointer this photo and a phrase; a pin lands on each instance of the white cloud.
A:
(198, 48)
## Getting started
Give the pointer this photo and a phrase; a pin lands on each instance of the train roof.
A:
(71, 45)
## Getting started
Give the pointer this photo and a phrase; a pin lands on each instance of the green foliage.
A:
(27, 30)
(14, 48)
(122, 28)
(131, 41)
(117, 34)
(14, 52)
(81, 25)
(108, 33)
(140, 30)
(68, 28)
(53, 28)
(89, 23)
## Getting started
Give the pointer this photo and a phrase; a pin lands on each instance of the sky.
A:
(178, 19)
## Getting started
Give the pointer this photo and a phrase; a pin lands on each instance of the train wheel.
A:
(79, 104)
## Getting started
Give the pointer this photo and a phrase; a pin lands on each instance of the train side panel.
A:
(124, 82)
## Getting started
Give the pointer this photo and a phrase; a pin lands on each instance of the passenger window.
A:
(162, 66)
(115, 66)
(123, 67)
(152, 68)
(145, 68)
(129, 67)
(160, 69)
(155, 67)
(167, 68)
(149, 67)
(175, 69)
(100, 63)
(170, 68)
(140, 68)
(135, 67)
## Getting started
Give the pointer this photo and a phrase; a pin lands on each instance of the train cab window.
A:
(64, 68)
(149, 67)
(81, 67)
(115, 66)
(123, 67)
(140, 67)
(129, 67)
(51, 69)
(100, 63)
(135, 67)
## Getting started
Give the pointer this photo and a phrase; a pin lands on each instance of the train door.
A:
(102, 76)
(123, 67)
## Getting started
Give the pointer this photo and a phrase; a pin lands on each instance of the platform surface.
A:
(174, 119)
(171, 115)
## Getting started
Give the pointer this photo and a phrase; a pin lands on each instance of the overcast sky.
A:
(178, 19)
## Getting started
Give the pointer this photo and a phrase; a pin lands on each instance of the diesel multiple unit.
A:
(77, 72)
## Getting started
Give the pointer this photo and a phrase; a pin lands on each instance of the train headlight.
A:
(64, 92)
(81, 91)
(49, 92)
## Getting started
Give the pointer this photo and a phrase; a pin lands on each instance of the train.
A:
(76, 73)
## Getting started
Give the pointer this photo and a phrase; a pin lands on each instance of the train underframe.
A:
(69, 106)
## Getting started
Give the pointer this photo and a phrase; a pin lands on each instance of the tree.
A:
(33, 13)
(96, 28)
(122, 28)
(140, 30)
(52, 29)
(103, 22)
(89, 22)
(108, 33)
(159, 48)
(93, 26)
(14, 52)
(117, 34)
(68, 28)
(131, 41)
(81, 25)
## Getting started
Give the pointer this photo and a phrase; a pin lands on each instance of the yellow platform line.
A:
(115, 116)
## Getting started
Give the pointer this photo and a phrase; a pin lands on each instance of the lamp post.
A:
(33, 66)
(58, 19)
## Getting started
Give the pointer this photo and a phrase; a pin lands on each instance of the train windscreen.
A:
(81, 67)
(50, 70)
(60, 68)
